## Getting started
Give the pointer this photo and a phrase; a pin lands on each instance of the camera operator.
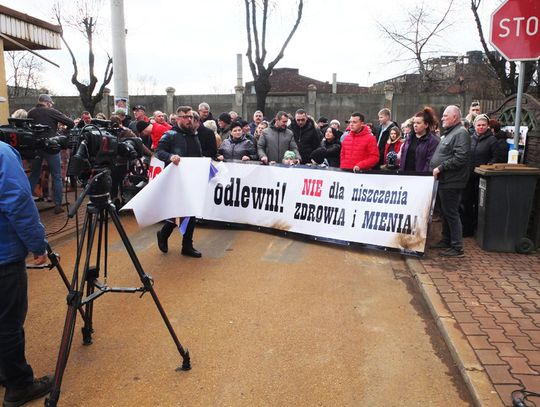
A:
(22, 231)
(44, 114)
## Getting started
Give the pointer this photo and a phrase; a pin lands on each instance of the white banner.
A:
(386, 210)
(179, 191)
(375, 209)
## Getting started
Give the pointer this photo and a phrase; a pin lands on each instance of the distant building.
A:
(288, 81)
(452, 74)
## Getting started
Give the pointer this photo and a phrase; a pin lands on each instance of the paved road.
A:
(268, 321)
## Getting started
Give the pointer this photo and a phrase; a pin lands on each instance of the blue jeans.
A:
(54, 167)
(452, 232)
(14, 371)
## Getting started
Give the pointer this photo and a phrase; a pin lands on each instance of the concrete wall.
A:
(332, 106)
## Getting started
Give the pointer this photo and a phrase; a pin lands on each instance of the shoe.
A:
(453, 253)
(162, 243)
(191, 252)
(440, 245)
(58, 209)
(17, 396)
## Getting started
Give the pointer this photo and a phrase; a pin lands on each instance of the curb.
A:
(477, 380)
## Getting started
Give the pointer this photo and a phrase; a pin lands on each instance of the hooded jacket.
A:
(359, 149)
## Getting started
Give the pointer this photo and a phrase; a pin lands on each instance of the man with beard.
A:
(306, 134)
(179, 142)
(276, 140)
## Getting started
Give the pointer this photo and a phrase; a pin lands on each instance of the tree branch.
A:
(296, 24)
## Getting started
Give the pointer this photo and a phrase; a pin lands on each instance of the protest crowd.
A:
(449, 147)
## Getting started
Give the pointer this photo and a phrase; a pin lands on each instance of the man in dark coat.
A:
(306, 135)
(207, 138)
(383, 132)
(450, 165)
(179, 142)
(45, 114)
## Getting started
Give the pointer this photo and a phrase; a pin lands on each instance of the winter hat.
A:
(289, 155)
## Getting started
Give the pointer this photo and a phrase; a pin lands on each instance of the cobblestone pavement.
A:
(494, 298)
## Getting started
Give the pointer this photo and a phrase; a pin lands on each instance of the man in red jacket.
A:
(160, 126)
(359, 148)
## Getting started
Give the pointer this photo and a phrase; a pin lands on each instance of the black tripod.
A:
(98, 211)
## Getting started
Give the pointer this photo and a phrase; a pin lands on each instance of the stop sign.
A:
(515, 30)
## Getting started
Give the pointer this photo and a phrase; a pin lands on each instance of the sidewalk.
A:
(487, 306)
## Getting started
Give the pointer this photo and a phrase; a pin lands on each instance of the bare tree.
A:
(85, 21)
(24, 68)
(415, 33)
(505, 70)
(145, 84)
(257, 56)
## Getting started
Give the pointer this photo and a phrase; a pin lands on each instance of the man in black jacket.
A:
(306, 134)
(44, 114)
(207, 138)
(179, 142)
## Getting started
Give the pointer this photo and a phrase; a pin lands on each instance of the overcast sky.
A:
(173, 43)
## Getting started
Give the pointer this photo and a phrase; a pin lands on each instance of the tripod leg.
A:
(92, 272)
(147, 282)
(74, 301)
(55, 262)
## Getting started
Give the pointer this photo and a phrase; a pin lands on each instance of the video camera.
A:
(98, 146)
(28, 138)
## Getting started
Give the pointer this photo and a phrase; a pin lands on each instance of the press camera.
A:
(29, 138)
(99, 145)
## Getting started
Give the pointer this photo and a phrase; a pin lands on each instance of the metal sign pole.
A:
(521, 80)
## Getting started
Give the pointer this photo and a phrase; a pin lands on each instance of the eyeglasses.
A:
(186, 117)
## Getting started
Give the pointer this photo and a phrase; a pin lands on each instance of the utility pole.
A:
(118, 31)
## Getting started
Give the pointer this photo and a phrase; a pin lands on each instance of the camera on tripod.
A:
(28, 138)
(98, 146)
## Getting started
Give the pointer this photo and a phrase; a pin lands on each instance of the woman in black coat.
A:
(330, 149)
(484, 150)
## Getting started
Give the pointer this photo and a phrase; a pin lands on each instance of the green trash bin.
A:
(505, 199)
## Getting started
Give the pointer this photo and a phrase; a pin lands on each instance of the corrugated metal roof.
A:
(29, 31)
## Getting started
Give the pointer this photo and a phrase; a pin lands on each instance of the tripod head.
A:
(98, 189)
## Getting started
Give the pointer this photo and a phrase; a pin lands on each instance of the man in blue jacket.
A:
(22, 231)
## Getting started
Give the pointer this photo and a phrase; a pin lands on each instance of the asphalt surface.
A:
(268, 321)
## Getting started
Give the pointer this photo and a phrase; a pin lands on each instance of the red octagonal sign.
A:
(515, 30)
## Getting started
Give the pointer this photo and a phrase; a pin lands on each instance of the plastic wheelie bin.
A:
(505, 199)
